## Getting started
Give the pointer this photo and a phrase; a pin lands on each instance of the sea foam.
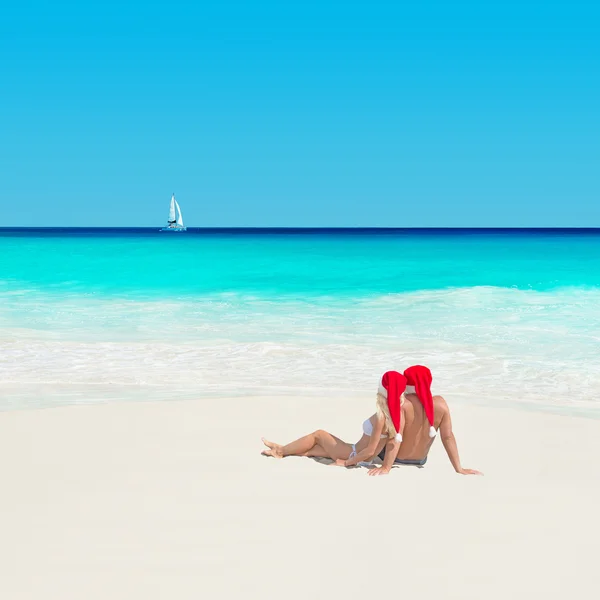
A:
(491, 345)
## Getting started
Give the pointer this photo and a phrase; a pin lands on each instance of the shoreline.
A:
(172, 499)
(102, 394)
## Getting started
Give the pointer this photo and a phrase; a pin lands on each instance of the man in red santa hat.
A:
(424, 414)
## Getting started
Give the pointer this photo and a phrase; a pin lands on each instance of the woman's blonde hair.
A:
(384, 412)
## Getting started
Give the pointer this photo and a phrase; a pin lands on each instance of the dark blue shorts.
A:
(406, 461)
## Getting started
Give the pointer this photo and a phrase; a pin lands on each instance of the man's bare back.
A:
(416, 442)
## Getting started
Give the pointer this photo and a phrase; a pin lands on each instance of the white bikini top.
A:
(368, 428)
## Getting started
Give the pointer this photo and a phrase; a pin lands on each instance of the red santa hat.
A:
(420, 378)
(392, 387)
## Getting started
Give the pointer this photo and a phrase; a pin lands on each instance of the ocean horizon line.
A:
(299, 230)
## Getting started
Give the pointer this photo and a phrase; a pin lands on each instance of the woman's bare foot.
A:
(273, 449)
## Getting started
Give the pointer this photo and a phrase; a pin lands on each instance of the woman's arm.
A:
(449, 442)
(369, 452)
(391, 452)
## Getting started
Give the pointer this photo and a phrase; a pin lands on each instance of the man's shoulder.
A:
(440, 404)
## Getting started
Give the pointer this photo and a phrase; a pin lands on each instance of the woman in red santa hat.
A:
(397, 419)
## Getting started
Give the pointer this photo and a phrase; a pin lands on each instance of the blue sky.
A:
(300, 113)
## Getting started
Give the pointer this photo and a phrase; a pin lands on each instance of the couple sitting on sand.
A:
(400, 432)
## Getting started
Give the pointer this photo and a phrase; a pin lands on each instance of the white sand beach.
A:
(173, 501)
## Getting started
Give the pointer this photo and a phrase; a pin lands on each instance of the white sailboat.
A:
(175, 221)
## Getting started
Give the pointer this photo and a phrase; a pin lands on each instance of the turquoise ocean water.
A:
(499, 316)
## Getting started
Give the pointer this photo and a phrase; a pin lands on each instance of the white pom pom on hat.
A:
(432, 432)
(398, 437)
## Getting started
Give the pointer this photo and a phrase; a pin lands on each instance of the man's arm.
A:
(449, 442)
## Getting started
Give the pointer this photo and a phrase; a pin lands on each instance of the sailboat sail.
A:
(175, 222)
(180, 216)
(172, 209)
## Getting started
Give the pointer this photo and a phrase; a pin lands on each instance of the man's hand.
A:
(469, 472)
(340, 462)
(379, 471)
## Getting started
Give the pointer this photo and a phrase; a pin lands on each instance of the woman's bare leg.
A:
(320, 443)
